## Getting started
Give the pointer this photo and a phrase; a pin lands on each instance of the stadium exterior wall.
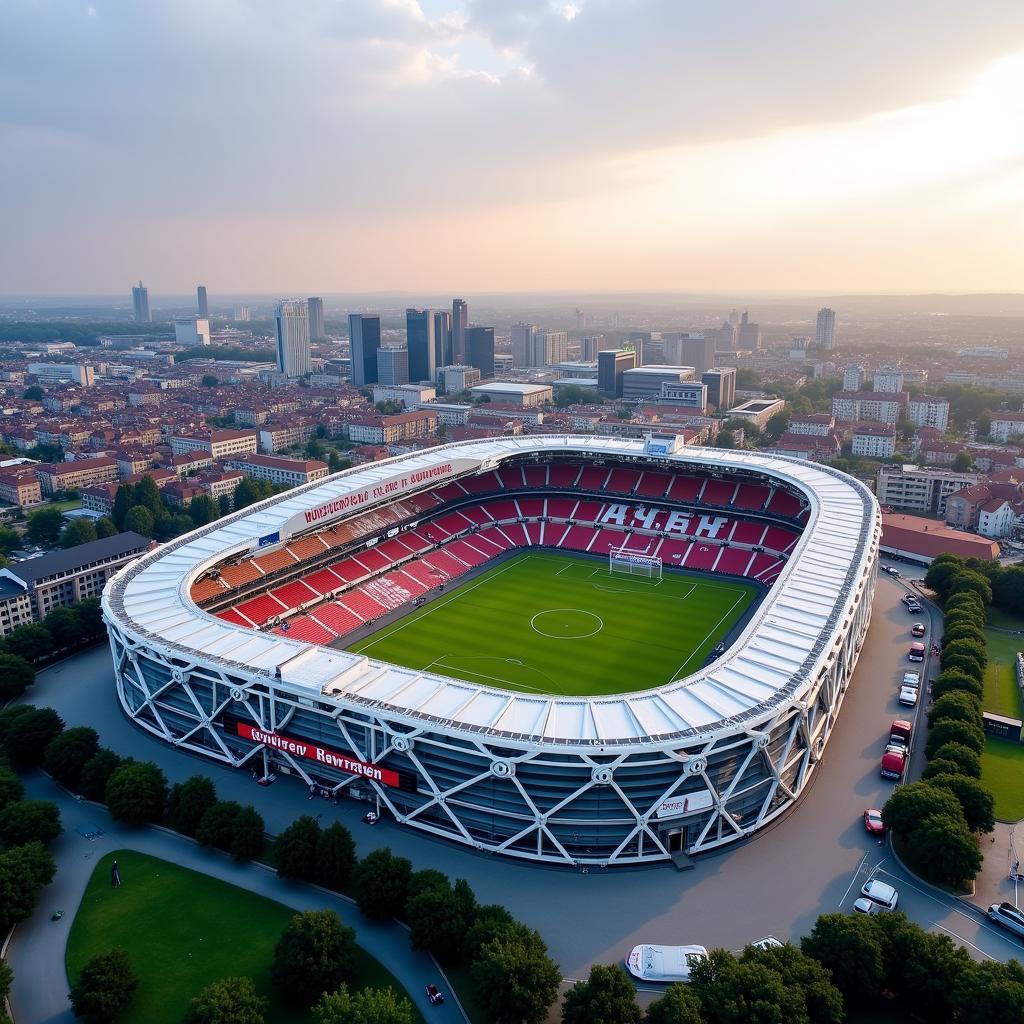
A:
(585, 802)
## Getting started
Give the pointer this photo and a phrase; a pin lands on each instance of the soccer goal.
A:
(630, 563)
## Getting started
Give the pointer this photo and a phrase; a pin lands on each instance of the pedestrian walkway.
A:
(36, 954)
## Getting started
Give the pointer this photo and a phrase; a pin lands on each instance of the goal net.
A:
(630, 563)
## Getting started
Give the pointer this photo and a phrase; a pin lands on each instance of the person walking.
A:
(115, 876)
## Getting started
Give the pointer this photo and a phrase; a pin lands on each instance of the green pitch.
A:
(560, 624)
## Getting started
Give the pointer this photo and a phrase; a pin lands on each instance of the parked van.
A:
(917, 652)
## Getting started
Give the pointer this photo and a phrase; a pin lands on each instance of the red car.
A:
(434, 996)
(873, 822)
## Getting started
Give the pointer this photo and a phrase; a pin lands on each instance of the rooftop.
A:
(81, 555)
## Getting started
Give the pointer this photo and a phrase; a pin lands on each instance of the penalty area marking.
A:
(564, 635)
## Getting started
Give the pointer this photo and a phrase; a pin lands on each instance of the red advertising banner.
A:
(322, 755)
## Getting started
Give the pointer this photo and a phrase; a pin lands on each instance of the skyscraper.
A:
(612, 363)
(749, 333)
(480, 350)
(460, 321)
(721, 384)
(316, 318)
(443, 352)
(201, 302)
(825, 333)
(590, 346)
(548, 347)
(521, 334)
(364, 341)
(191, 331)
(140, 304)
(690, 348)
(392, 366)
(293, 355)
(419, 332)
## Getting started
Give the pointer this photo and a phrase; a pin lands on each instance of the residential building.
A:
(392, 366)
(419, 332)
(853, 377)
(524, 396)
(454, 379)
(393, 429)
(963, 506)
(825, 329)
(721, 385)
(242, 314)
(60, 476)
(294, 358)
(219, 483)
(191, 331)
(888, 379)
(218, 444)
(816, 424)
(1006, 425)
(749, 334)
(760, 410)
(451, 414)
(612, 365)
(547, 348)
(460, 322)
(67, 577)
(520, 337)
(590, 346)
(287, 433)
(55, 373)
(480, 350)
(814, 447)
(202, 303)
(997, 518)
(928, 411)
(140, 304)
(873, 441)
(315, 314)
(15, 606)
(689, 394)
(364, 340)
(292, 472)
(878, 406)
(20, 488)
(923, 489)
(410, 395)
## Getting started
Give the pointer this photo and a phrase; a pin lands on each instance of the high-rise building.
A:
(590, 346)
(443, 351)
(612, 363)
(243, 314)
(734, 317)
(392, 366)
(721, 383)
(190, 331)
(521, 334)
(749, 336)
(419, 331)
(825, 332)
(140, 304)
(690, 348)
(201, 302)
(853, 377)
(480, 350)
(293, 355)
(725, 337)
(547, 348)
(316, 318)
(460, 322)
(364, 341)
(888, 379)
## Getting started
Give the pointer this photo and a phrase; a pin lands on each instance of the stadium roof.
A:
(775, 659)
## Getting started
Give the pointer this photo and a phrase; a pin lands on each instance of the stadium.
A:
(575, 650)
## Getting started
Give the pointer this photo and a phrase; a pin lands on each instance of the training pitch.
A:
(561, 624)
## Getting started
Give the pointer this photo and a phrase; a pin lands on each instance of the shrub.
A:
(965, 758)
(30, 821)
(136, 793)
(954, 732)
(956, 707)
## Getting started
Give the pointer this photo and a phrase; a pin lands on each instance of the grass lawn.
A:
(557, 623)
(184, 930)
(1002, 770)
(65, 506)
(1002, 696)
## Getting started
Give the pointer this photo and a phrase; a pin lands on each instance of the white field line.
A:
(675, 675)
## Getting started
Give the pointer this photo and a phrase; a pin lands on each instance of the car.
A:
(768, 942)
(918, 629)
(893, 763)
(862, 905)
(1007, 915)
(434, 996)
(881, 893)
(908, 695)
(900, 732)
(916, 652)
(889, 569)
(873, 822)
(664, 963)
(911, 678)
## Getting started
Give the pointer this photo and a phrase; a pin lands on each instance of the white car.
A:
(768, 942)
(908, 695)
(911, 678)
(664, 963)
(864, 906)
(881, 893)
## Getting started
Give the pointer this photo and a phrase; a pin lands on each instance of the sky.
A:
(511, 145)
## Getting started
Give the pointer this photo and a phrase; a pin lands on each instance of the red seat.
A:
(306, 629)
(536, 476)
(622, 481)
(561, 475)
(653, 485)
(718, 492)
(751, 496)
(684, 488)
(748, 533)
(778, 539)
(593, 478)
(782, 503)
(261, 610)
(734, 561)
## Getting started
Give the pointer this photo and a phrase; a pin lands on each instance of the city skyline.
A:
(890, 161)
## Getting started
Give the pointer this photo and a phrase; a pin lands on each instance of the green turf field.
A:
(560, 624)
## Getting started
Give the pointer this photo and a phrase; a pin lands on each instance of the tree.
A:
(30, 821)
(988, 993)
(822, 1000)
(6, 979)
(335, 857)
(247, 842)
(246, 493)
(140, 520)
(106, 527)
(78, 531)
(216, 827)
(964, 648)
(439, 919)
(606, 997)
(490, 921)
(956, 707)
(16, 676)
(777, 425)
(33, 393)
(679, 1005)
(105, 987)
(972, 583)
(368, 1006)
(90, 618)
(44, 527)
(203, 509)
(977, 802)
(27, 736)
(963, 463)
(424, 879)
(24, 870)
(227, 1001)
(147, 494)
(31, 641)
(983, 424)
(725, 439)
(295, 849)
(188, 802)
(67, 754)
(224, 504)
(745, 992)
(911, 804)
(210, 381)
(954, 732)
(12, 789)
(64, 628)
(96, 772)
(516, 979)
(123, 501)
(944, 850)
(315, 954)
(381, 884)
(136, 793)
(847, 946)
(965, 758)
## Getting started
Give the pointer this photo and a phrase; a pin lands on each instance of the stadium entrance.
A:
(677, 841)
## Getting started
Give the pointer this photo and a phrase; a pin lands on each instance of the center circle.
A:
(566, 623)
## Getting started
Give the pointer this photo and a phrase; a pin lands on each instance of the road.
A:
(775, 884)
